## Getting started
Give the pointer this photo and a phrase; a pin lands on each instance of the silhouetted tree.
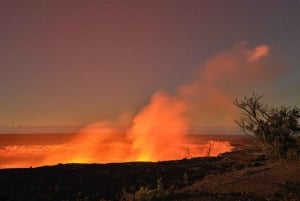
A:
(275, 128)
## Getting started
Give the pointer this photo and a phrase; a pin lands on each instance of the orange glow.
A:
(39, 155)
(158, 132)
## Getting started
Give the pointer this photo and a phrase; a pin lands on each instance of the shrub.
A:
(146, 194)
(275, 128)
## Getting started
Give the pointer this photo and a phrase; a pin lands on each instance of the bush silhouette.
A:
(275, 128)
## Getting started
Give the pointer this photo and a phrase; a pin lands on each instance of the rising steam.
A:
(160, 130)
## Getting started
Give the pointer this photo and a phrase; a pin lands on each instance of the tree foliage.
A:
(275, 128)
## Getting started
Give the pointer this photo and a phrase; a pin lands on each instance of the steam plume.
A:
(160, 130)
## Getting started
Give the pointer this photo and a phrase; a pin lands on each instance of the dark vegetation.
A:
(238, 175)
(276, 129)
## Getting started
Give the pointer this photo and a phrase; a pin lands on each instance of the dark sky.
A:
(72, 62)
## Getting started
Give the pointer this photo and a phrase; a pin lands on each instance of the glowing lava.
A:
(158, 132)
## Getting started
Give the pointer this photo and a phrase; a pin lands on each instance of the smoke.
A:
(258, 53)
(160, 130)
(226, 76)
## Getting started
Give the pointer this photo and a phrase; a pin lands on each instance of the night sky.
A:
(73, 62)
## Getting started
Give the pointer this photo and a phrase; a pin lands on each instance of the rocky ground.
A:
(244, 174)
(258, 179)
